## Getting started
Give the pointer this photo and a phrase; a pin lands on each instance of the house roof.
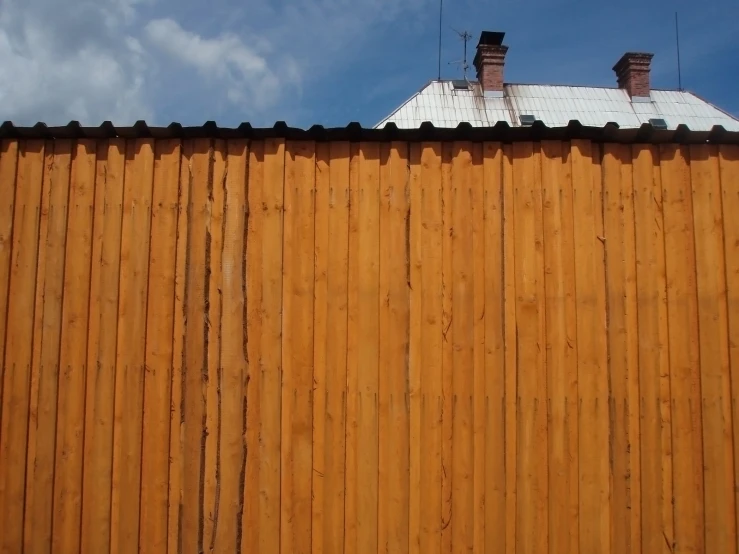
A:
(555, 105)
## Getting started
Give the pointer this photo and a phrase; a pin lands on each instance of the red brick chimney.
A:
(489, 61)
(632, 71)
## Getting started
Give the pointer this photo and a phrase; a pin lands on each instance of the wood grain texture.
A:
(158, 357)
(561, 354)
(270, 379)
(42, 426)
(266, 346)
(250, 485)
(510, 351)
(495, 377)
(20, 313)
(195, 368)
(73, 357)
(335, 337)
(682, 310)
(368, 328)
(297, 349)
(729, 175)
(447, 361)
(652, 321)
(593, 410)
(427, 289)
(718, 463)
(8, 173)
(462, 351)
(176, 418)
(131, 355)
(394, 305)
(233, 353)
(101, 348)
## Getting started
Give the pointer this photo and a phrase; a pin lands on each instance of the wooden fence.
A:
(263, 347)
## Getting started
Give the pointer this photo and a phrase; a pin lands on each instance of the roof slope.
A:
(555, 105)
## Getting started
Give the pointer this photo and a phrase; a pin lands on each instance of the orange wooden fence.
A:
(263, 347)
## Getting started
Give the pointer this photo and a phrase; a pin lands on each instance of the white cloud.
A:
(94, 60)
(248, 76)
(63, 62)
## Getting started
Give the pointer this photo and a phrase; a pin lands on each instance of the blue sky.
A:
(328, 61)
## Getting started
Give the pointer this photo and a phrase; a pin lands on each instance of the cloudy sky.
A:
(327, 61)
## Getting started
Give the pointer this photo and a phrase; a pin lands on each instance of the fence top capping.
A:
(354, 132)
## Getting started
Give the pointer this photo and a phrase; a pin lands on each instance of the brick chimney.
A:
(632, 71)
(489, 61)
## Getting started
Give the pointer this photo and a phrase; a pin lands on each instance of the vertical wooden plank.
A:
(561, 357)
(38, 322)
(447, 361)
(571, 356)
(665, 397)
(8, 170)
(249, 487)
(271, 346)
(232, 355)
(729, 173)
(158, 355)
(415, 353)
(336, 337)
(684, 355)
(492, 201)
(297, 347)
(613, 233)
(531, 518)
(510, 350)
(368, 346)
(42, 426)
(320, 333)
(602, 384)
(71, 403)
(394, 319)
(478, 353)
(352, 356)
(214, 378)
(101, 348)
(632, 349)
(194, 365)
(652, 344)
(130, 361)
(176, 420)
(463, 349)
(19, 335)
(592, 370)
(718, 463)
(428, 288)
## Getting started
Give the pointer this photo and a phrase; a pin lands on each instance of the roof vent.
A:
(460, 84)
(527, 119)
(658, 123)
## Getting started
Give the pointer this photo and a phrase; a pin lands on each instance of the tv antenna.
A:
(466, 37)
(441, 12)
(677, 44)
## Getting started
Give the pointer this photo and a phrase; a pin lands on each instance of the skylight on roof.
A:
(527, 119)
(460, 84)
(658, 123)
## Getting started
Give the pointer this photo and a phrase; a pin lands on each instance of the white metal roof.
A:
(555, 105)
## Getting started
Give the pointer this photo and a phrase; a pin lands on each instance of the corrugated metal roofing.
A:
(354, 132)
(555, 105)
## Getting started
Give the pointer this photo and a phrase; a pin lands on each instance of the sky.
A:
(329, 62)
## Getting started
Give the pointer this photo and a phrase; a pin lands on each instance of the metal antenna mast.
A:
(466, 37)
(677, 42)
(441, 11)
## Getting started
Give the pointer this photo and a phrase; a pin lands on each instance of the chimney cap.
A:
(632, 57)
(491, 38)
